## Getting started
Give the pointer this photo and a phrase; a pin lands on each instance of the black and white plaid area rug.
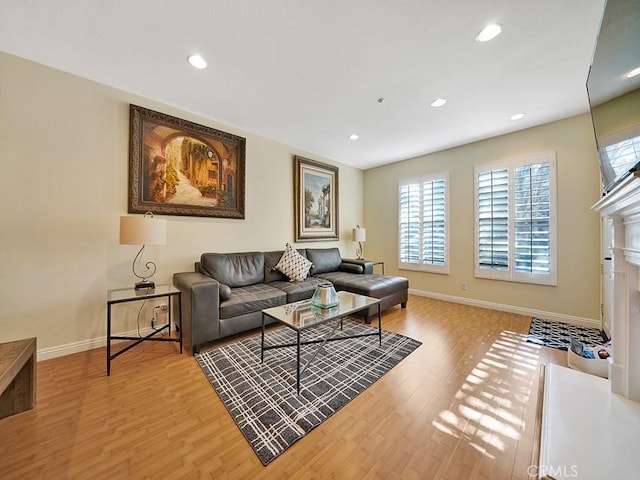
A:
(262, 399)
(559, 335)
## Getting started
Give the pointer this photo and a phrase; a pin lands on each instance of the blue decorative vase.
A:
(325, 296)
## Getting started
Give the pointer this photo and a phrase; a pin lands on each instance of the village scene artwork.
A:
(189, 171)
(317, 200)
(316, 205)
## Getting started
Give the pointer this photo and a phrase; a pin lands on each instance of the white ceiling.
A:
(308, 73)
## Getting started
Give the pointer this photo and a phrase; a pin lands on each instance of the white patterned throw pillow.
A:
(293, 265)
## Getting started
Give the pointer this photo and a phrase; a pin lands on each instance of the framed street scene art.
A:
(178, 167)
(316, 200)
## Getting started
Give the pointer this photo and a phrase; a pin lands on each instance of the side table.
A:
(17, 376)
(377, 262)
(124, 295)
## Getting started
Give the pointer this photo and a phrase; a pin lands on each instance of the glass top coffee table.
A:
(300, 316)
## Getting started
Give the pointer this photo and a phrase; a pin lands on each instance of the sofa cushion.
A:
(271, 259)
(234, 269)
(297, 291)
(294, 265)
(324, 259)
(251, 298)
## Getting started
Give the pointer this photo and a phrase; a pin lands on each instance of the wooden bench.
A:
(17, 376)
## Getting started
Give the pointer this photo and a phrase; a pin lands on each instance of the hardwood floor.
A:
(462, 406)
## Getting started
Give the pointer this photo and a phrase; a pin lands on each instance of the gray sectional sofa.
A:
(227, 292)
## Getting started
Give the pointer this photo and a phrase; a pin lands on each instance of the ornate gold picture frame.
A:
(177, 167)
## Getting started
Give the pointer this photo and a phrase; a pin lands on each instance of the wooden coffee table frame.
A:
(277, 314)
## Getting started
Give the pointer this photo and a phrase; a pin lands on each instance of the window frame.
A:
(422, 267)
(510, 274)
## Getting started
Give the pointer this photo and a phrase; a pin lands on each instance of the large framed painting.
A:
(178, 167)
(316, 200)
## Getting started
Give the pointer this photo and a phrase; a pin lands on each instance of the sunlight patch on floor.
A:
(488, 409)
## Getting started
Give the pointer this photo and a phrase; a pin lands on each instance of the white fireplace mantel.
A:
(620, 212)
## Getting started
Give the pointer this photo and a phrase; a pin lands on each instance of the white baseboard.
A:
(556, 317)
(84, 345)
(90, 344)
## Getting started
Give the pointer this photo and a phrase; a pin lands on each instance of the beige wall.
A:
(64, 159)
(578, 290)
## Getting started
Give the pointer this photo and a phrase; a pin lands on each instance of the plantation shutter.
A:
(493, 219)
(515, 220)
(410, 238)
(433, 227)
(423, 224)
(532, 218)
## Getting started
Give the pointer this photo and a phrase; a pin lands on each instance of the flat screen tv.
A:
(614, 92)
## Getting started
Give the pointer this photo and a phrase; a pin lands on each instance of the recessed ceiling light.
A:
(438, 102)
(633, 73)
(197, 61)
(489, 32)
(517, 116)
(353, 136)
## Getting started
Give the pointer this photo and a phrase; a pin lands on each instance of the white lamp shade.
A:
(143, 231)
(359, 234)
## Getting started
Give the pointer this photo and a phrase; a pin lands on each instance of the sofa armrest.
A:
(349, 263)
(200, 301)
(350, 268)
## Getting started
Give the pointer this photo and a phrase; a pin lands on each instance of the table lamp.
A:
(359, 235)
(145, 230)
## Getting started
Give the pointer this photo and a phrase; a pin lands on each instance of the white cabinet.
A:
(587, 431)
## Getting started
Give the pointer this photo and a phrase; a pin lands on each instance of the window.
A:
(423, 224)
(515, 220)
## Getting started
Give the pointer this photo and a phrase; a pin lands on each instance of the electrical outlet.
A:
(464, 286)
(154, 318)
(160, 314)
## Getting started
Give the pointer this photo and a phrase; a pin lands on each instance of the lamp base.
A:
(144, 285)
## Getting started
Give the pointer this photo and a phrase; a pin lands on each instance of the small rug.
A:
(261, 397)
(559, 335)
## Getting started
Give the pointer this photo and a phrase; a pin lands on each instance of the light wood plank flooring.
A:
(462, 406)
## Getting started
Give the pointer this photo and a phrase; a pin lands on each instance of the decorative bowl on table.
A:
(325, 296)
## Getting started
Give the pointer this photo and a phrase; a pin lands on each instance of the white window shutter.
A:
(493, 219)
(423, 224)
(515, 220)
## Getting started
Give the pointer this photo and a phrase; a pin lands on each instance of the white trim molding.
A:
(84, 345)
(90, 344)
(530, 312)
(620, 212)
